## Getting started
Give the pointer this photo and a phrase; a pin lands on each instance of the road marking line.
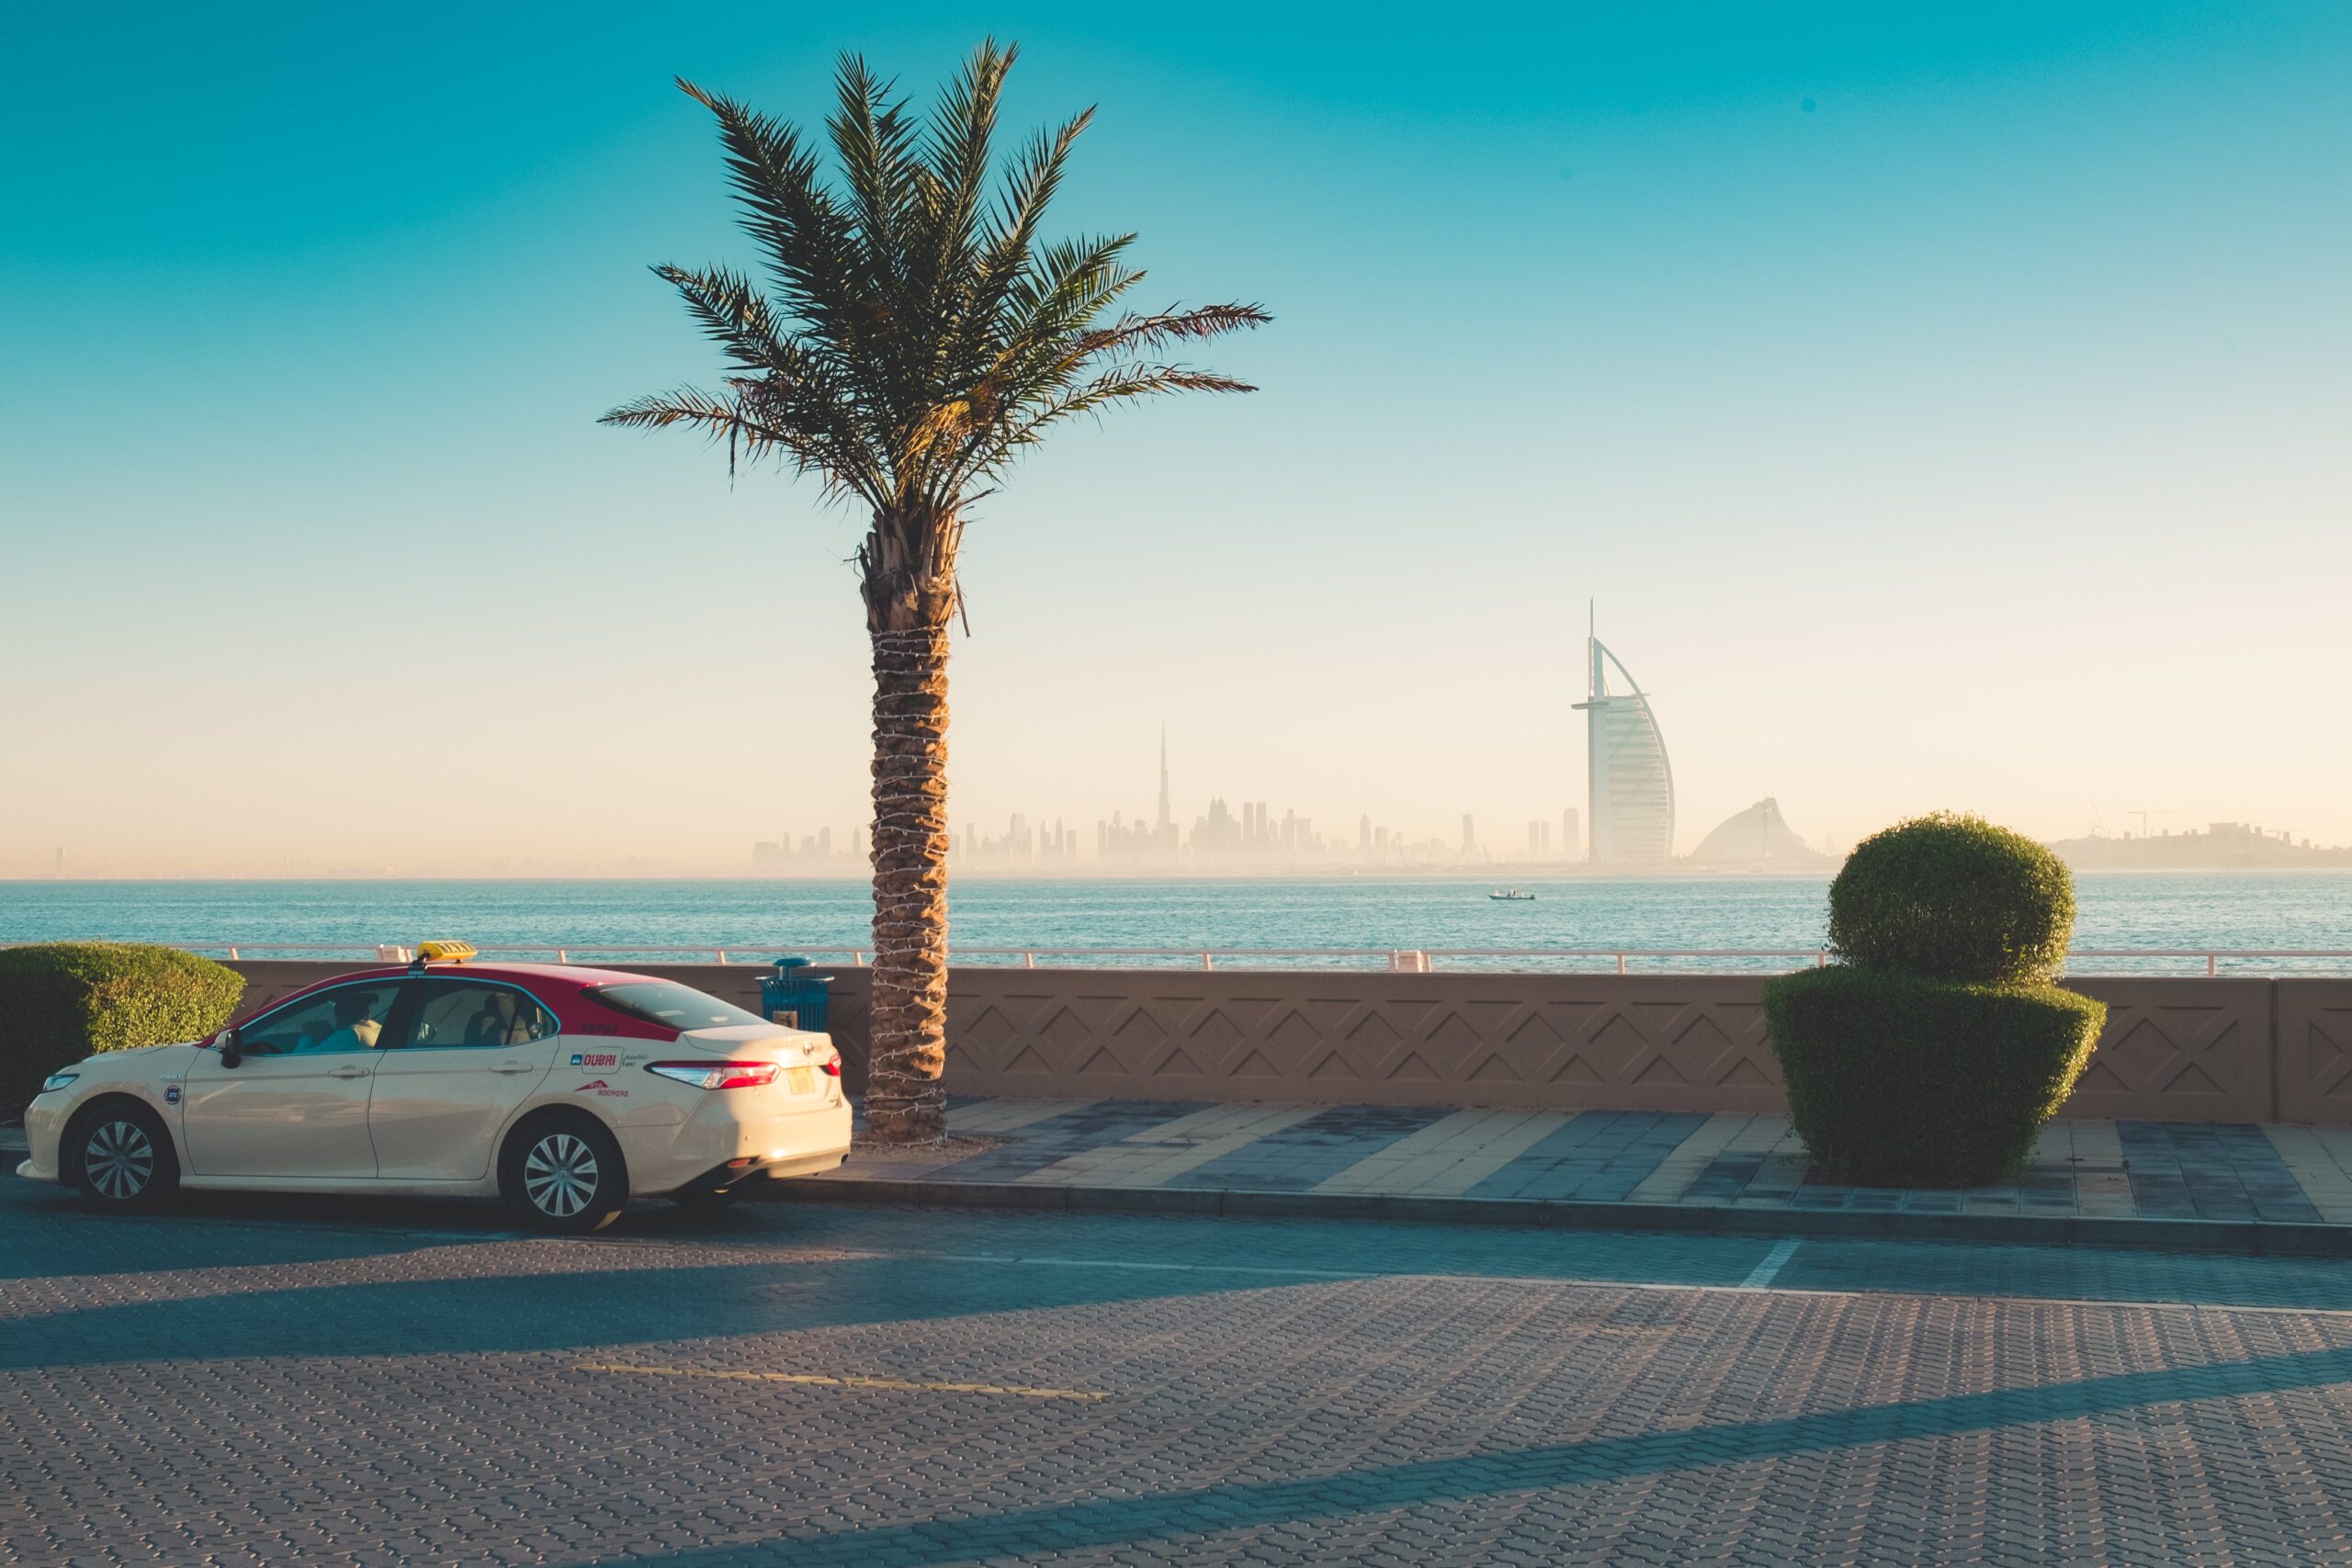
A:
(907, 1384)
(1761, 1275)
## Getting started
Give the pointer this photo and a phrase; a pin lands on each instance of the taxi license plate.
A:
(803, 1079)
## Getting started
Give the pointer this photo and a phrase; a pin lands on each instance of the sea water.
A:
(2197, 911)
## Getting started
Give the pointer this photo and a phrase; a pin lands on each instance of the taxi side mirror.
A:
(226, 1043)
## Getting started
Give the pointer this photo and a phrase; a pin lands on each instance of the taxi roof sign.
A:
(443, 952)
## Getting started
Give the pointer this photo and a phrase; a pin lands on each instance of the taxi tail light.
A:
(832, 1066)
(717, 1075)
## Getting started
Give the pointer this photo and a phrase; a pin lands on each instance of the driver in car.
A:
(354, 1030)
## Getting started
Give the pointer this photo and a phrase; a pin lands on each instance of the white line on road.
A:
(1760, 1276)
(829, 1380)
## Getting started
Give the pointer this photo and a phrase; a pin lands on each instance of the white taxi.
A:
(567, 1091)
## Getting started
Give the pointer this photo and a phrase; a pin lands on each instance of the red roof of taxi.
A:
(571, 976)
(579, 976)
(559, 986)
(578, 973)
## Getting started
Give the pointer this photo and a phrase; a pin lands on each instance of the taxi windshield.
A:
(668, 1003)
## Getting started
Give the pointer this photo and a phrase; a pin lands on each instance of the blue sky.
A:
(1946, 410)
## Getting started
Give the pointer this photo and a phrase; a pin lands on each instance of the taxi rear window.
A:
(673, 1006)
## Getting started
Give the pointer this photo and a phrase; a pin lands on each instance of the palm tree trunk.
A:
(904, 1100)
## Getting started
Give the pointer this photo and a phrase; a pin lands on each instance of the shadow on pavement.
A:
(499, 1310)
(52, 1232)
(1115, 1521)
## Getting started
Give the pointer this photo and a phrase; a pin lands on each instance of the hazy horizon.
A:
(1945, 412)
(1491, 873)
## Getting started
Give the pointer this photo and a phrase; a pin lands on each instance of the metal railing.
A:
(1402, 961)
(2212, 958)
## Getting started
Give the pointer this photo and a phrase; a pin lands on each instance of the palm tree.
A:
(915, 336)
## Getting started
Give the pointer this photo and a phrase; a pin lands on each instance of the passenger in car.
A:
(500, 1022)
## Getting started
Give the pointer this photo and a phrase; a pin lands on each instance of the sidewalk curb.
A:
(2254, 1237)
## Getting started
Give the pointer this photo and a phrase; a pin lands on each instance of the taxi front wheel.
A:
(563, 1174)
(122, 1159)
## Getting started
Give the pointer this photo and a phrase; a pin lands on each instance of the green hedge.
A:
(1896, 1080)
(63, 1001)
(1953, 897)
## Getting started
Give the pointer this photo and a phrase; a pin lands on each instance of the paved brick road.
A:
(268, 1381)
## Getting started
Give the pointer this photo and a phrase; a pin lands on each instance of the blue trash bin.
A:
(794, 997)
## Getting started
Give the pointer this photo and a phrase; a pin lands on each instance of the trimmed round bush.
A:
(1898, 1081)
(1935, 1050)
(1953, 897)
(63, 1001)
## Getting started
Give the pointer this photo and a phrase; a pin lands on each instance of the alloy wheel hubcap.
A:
(120, 1159)
(559, 1175)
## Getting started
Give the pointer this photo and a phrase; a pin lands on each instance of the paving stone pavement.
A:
(266, 1380)
(2232, 1186)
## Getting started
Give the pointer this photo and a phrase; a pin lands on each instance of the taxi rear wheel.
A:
(122, 1159)
(563, 1174)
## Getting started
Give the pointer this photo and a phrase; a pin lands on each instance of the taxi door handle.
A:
(350, 1072)
(512, 1067)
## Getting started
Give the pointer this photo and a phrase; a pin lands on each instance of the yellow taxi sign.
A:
(444, 952)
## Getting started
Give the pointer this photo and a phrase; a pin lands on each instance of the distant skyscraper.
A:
(1632, 784)
(1568, 834)
(1166, 817)
(1469, 835)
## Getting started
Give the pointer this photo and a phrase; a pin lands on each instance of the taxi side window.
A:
(349, 1018)
(465, 1012)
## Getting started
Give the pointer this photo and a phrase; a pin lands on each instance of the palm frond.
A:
(776, 179)
(957, 143)
(876, 143)
(1141, 335)
(1111, 386)
(1029, 190)
(716, 416)
(733, 314)
(1058, 294)
(1004, 244)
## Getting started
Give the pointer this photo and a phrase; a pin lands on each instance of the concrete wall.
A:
(2228, 1050)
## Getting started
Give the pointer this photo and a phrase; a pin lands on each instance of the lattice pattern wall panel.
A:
(2315, 1050)
(2179, 1051)
(1549, 1040)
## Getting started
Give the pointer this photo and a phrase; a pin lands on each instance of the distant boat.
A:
(1511, 895)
